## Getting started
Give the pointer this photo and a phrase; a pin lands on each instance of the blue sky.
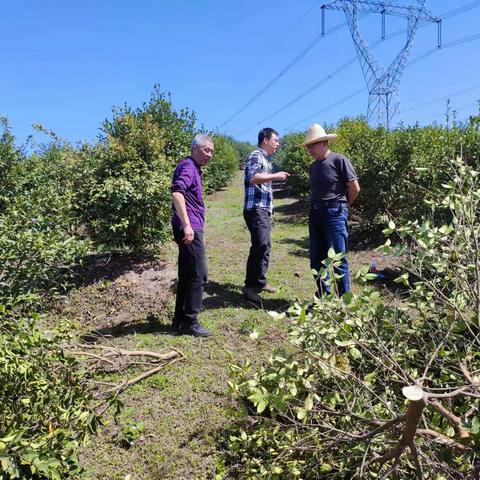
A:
(66, 63)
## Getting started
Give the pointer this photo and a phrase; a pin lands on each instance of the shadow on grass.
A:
(385, 281)
(300, 243)
(358, 241)
(229, 295)
(281, 191)
(151, 325)
(296, 212)
(364, 239)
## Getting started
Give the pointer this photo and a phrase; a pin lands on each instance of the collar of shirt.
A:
(264, 153)
(195, 163)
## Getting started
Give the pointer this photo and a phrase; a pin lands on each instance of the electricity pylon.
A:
(382, 83)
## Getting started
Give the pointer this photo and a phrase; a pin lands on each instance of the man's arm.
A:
(181, 209)
(268, 177)
(353, 191)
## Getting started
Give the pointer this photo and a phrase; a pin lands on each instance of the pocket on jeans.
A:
(335, 212)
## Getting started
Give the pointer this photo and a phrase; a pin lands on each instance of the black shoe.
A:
(177, 328)
(196, 330)
(310, 309)
(251, 294)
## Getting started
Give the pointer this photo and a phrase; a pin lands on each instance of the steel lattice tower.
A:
(382, 83)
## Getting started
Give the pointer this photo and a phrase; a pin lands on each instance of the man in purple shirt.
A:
(188, 222)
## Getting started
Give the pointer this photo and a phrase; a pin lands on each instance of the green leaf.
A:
(347, 298)
(301, 413)
(308, 404)
(354, 353)
(344, 343)
(325, 468)
(261, 406)
(475, 425)
(5, 463)
(402, 279)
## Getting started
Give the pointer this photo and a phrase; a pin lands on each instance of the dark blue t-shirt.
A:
(329, 177)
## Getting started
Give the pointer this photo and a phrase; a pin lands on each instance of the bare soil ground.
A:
(117, 293)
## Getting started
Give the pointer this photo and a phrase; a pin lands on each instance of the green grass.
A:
(184, 409)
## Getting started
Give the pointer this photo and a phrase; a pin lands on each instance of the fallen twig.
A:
(122, 387)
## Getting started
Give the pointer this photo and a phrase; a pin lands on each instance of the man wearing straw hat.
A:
(333, 187)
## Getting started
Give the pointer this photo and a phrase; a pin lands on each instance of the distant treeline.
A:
(396, 168)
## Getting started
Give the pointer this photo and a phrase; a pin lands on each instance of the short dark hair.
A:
(266, 133)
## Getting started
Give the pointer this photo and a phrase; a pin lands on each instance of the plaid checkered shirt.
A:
(260, 195)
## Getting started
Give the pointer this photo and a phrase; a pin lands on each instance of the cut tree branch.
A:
(455, 421)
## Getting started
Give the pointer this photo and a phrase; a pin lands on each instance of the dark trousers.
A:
(259, 223)
(328, 228)
(192, 276)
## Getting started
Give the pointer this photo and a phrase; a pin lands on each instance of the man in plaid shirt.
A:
(258, 208)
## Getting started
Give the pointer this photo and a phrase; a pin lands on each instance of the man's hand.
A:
(188, 234)
(353, 191)
(282, 176)
(259, 178)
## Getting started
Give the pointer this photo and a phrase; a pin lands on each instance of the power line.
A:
(460, 41)
(293, 28)
(299, 97)
(459, 10)
(448, 14)
(445, 97)
(463, 107)
(349, 62)
(270, 52)
(282, 72)
(421, 57)
(332, 105)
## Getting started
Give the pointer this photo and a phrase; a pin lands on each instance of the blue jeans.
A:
(328, 228)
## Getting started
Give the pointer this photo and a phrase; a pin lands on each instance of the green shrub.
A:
(123, 195)
(395, 168)
(178, 128)
(35, 253)
(243, 151)
(10, 157)
(295, 160)
(122, 191)
(39, 245)
(221, 168)
(123, 198)
(333, 404)
(46, 406)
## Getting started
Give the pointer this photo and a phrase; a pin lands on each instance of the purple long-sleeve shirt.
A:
(187, 179)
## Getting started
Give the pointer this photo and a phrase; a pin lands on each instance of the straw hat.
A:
(316, 133)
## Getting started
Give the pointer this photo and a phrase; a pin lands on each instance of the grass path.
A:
(177, 416)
